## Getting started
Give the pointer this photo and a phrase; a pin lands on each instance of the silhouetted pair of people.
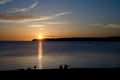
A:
(65, 66)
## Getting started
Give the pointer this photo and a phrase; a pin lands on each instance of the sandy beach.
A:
(62, 74)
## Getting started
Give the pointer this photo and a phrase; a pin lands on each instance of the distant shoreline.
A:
(81, 39)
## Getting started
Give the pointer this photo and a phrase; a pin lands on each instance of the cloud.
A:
(36, 26)
(57, 15)
(15, 17)
(4, 1)
(96, 24)
(111, 26)
(60, 14)
(19, 10)
(27, 18)
(50, 17)
(55, 23)
(107, 25)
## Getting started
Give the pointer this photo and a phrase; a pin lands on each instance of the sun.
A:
(40, 37)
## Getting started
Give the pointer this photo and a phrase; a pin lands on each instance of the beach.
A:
(62, 74)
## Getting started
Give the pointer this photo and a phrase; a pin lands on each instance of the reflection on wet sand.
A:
(40, 55)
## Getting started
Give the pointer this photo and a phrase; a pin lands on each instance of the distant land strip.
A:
(81, 39)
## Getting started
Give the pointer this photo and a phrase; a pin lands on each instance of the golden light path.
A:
(40, 55)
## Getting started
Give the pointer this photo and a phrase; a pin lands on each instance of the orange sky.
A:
(25, 20)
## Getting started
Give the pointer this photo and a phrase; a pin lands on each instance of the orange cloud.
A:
(27, 18)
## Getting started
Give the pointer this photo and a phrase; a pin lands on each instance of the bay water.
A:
(51, 54)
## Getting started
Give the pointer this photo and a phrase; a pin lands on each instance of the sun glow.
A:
(40, 37)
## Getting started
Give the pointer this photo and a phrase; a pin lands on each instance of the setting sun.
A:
(40, 37)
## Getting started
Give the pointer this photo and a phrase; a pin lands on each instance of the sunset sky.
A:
(27, 19)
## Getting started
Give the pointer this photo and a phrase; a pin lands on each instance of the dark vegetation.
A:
(82, 39)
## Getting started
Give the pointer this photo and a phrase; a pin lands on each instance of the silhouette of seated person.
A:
(35, 67)
(66, 66)
(29, 68)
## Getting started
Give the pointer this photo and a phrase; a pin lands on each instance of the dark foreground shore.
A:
(63, 74)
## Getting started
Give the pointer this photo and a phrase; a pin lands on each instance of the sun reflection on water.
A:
(40, 55)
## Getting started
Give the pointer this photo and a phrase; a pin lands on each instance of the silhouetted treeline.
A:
(82, 39)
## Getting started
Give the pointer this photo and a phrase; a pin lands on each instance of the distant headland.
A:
(81, 39)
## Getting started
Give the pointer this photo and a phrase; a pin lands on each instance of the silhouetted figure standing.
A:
(60, 67)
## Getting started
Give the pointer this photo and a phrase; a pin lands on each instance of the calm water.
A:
(14, 55)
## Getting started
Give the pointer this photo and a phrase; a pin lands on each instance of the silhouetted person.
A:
(60, 67)
(35, 67)
(29, 68)
(66, 66)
